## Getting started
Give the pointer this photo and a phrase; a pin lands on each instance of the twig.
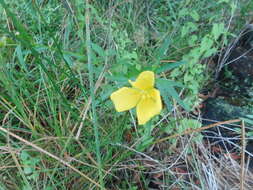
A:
(186, 132)
(242, 178)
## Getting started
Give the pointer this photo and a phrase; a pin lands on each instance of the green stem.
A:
(92, 93)
(148, 129)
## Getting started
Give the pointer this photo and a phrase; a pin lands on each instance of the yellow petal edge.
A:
(149, 107)
(125, 98)
(144, 81)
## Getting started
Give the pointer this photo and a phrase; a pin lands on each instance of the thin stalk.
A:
(242, 177)
(92, 92)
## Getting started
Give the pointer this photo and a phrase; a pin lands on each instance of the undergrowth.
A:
(57, 73)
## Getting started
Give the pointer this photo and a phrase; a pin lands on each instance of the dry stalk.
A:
(242, 178)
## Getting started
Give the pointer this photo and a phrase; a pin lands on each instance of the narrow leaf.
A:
(169, 66)
(168, 91)
(161, 51)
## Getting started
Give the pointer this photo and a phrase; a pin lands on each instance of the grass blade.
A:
(92, 92)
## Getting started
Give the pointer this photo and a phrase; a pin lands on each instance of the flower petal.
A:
(125, 98)
(144, 81)
(149, 107)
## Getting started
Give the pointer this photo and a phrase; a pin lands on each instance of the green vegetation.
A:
(61, 60)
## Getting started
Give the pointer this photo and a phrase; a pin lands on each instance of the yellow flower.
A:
(142, 95)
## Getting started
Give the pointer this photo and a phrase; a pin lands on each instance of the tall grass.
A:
(92, 91)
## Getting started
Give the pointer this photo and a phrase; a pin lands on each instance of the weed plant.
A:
(61, 60)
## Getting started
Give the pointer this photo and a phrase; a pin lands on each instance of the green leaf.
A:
(206, 44)
(223, 1)
(169, 66)
(168, 91)
(184, 31)
(192, 26)
(121, 80)
(217, 30)
(248, 119)
(3, 41)
(192, 40)
(183, 12)
(161, 51)
(195, 15)
(173, 93)
(28, 170)
(21, 58)
(249, 116)
(188, 28)
(99, 50)
(24, 156)
(209, 52)
(68, 59)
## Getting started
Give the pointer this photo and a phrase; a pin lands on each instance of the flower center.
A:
(145, 94)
